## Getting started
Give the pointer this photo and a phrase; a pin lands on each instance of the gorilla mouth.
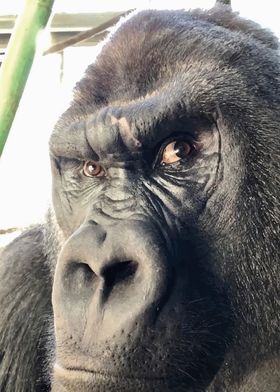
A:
(87, 372)
(81, 377)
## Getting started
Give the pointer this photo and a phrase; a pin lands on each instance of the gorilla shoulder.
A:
(25, 293)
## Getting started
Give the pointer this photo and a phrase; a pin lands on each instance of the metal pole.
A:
(18, 60)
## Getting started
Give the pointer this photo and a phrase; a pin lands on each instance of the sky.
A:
(24, 166)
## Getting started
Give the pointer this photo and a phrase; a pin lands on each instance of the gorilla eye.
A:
(93, 169)
(175, 151)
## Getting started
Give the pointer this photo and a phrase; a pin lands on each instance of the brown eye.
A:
(93, 169)
(175, 151)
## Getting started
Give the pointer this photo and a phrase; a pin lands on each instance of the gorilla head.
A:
(164, 234)
(166, 205)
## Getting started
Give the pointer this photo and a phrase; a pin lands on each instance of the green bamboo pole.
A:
(18, 60)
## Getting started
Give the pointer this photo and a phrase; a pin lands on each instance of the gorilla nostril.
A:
(119, 272)
(79, 273)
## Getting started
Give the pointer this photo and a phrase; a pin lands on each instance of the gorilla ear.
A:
(223, 2)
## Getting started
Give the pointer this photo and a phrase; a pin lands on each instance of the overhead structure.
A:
(18, 41)
(18, 60)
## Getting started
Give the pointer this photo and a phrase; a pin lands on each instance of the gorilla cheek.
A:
(68, 218)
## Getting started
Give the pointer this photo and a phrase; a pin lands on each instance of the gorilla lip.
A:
(73, 372)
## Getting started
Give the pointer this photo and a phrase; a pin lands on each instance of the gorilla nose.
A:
(88, 256)
(109, 277)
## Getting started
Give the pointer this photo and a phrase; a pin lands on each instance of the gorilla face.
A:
(162, 177)
(128, 290)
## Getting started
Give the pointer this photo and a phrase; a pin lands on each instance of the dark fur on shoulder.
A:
(25, 293)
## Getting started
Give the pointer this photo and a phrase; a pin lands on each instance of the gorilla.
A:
(158, 266)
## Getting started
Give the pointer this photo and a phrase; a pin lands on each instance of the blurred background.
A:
(24, 166)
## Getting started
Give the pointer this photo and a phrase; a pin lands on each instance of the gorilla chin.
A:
(158, 266)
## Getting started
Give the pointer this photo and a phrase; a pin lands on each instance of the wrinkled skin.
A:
(161, 249)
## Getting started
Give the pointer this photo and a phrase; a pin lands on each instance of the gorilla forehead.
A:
(128, 130)
(141, 124)
(137, 81)
(139, 59)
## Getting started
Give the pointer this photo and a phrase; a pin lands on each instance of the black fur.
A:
(199, 69)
